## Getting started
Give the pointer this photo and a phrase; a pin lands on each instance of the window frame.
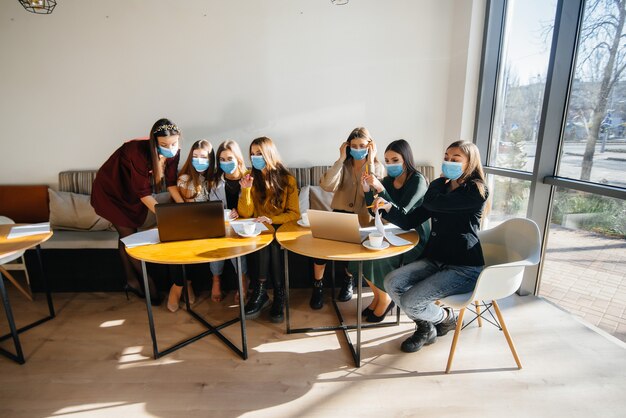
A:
(559, 78)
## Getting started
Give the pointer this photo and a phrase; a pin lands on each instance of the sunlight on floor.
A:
(105, 408)
(114, 323)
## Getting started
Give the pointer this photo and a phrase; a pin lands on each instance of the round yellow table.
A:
(9, 247)
(299, 240)
(195, 252)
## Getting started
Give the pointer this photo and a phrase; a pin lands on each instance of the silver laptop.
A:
(336, 226)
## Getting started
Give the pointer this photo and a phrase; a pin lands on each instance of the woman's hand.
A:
(380, 203)
(234, 214)
(343, 151)
(264, 220)
(371, 152)
(372, 182)
(246, 181)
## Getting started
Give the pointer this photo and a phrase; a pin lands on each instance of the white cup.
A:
(249, 228)
(305, 218)
(227, 214)
(376, 239)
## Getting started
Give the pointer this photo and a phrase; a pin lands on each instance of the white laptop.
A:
(336, 226)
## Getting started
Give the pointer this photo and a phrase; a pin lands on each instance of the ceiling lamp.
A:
(40, 7)
(339, 2)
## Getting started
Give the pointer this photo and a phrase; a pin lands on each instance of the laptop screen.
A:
(190, 220)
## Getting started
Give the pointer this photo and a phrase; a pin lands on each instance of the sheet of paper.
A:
(389, 231)
(395, 240)
(151, 236)
(26, 230)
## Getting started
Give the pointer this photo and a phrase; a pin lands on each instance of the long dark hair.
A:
(404, 149)
(273, 183)
(192, 173)
(162, 127)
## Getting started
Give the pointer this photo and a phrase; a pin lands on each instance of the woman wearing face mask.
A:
(453, 257)
(270, 194)
(404, 188)
(194, 182)
(357, 156)
(124, 186)
(229, 171)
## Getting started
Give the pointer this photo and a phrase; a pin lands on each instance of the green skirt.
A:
(376, 270)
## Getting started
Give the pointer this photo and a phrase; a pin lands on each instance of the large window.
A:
(521, 84)
(551, 126)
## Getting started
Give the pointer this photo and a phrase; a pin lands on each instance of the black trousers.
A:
(267, 264)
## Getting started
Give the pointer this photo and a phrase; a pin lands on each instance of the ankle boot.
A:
(257, 302)
(345, 293)
(447, 324)
(278, 306)
(317, 296)
(425, 334)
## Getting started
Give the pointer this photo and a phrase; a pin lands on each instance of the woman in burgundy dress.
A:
(123, 190)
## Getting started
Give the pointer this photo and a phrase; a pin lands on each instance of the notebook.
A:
(190, 220)
(336, 226)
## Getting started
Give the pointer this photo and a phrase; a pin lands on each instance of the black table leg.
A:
(19, 356)
(211, 329)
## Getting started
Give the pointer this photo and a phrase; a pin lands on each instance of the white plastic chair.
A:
(6, 263)
(508, 249)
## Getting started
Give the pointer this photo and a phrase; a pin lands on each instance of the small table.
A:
(196, 252)
(297, 239)
(9, 247)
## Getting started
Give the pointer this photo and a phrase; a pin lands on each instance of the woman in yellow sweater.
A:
(269, 194)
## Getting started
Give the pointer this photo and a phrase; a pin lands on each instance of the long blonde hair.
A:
(192, 173)
(359, 133)
(474, 170)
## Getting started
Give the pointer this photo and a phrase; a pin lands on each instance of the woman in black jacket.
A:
(453, 257)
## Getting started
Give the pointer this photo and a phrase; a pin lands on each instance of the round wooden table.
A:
(298, 239)
(195, 252)
(9, 247)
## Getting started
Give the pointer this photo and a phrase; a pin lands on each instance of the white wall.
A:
(77, 83)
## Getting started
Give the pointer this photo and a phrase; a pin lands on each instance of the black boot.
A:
(447, 324)
(257, 302)
(425, 334)
(278, 306)
(345, 293)
(317, 296)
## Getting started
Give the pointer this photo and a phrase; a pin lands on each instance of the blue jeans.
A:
(217, 267)
(416, 286)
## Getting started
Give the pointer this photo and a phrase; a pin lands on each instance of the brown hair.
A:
(271, 184)
(233, 147)
(162, 127)
(192, 173)
(404, 149)
(474, 170)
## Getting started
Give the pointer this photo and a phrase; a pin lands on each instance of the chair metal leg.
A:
(506, 334)
(478, 317)
(457, 332)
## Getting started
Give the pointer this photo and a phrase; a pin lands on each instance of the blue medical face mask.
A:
(452, 170)
(168, 152)
(358, 154)
(258, 162)
(228, 167)
(394, 170)
(200, 164)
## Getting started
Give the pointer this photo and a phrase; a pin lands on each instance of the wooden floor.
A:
(94, 360)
